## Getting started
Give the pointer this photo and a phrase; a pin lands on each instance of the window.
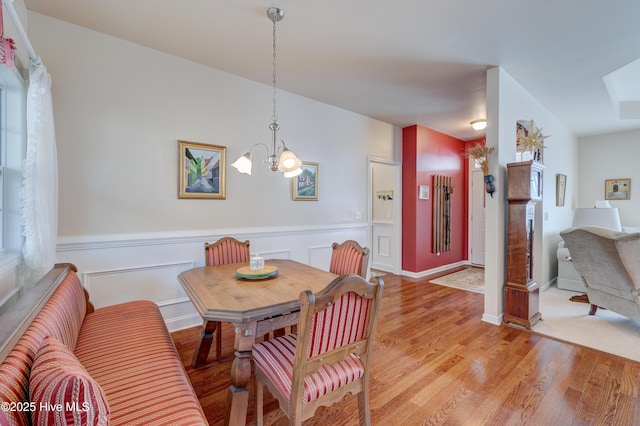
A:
(12, 147)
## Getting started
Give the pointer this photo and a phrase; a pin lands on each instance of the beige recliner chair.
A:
(609, 264)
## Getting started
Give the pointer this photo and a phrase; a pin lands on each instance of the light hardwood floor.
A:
(436, 362)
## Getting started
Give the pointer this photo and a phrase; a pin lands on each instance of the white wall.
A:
(610, 156)
(120, 109)
(508, 102)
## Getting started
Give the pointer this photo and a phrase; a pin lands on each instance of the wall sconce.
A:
(489, 186)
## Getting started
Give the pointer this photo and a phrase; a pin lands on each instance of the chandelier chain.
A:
(281, 158)
(274, 117)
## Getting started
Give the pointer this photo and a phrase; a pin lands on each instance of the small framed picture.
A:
(423, 192)
(201, 170)
(561, 188)
(304, 187)
(617, 189)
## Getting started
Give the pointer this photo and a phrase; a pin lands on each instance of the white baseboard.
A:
(183, 322)
(548, 285)
(492, 319)
(382, 267)
(434, 270)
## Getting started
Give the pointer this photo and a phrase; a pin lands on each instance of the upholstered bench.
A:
(63, 362)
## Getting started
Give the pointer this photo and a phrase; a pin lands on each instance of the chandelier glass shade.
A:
(280, 158)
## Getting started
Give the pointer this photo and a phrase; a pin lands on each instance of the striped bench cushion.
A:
(62, 391)
(61, 317)
(275, 357)
(127, 349)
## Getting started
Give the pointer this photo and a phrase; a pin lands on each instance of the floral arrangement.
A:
(480, 153)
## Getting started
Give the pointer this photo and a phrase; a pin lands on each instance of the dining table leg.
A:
(238, 396)
(203, 346)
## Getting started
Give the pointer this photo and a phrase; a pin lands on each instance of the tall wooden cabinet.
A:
(524, 189)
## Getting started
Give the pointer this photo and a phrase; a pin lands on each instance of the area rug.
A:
(568, 321)
(470, 279)
(376, 273)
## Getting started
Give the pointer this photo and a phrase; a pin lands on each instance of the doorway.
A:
(385, 215)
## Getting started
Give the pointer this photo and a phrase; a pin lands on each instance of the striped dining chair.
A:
(329, 358)
(349, 258)
(224, 251)
(346, 258)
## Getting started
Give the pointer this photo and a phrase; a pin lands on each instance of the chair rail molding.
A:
(87, 242)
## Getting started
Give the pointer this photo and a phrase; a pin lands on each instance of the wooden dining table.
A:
(254, 306)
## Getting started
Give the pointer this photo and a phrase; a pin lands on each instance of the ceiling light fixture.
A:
(281, 158)
(479, 124)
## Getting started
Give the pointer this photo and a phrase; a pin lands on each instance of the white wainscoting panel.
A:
(157, 283)
(10, 282)
(382, 250)
(118, 268)
(320, 256)
(274, 254)
(152, 282)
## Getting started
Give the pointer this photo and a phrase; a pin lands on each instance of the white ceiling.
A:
(403, 62)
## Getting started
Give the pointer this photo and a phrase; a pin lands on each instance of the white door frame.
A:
(396, 233)
(474, 188)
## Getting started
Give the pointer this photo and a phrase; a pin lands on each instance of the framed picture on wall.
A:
(561, 188)
(423, 193)
(304, 187)
(201, 170)
(617, 189)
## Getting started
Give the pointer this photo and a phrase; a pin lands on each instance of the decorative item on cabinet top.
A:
(529, 141)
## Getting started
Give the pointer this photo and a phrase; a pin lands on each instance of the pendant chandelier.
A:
(281, 158)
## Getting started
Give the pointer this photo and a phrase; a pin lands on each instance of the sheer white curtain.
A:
(40, 172)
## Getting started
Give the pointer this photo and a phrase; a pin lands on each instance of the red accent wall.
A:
(426, 152)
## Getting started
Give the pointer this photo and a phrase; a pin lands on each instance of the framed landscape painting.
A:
(304, 187)
(617, 189)
(201, 170)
